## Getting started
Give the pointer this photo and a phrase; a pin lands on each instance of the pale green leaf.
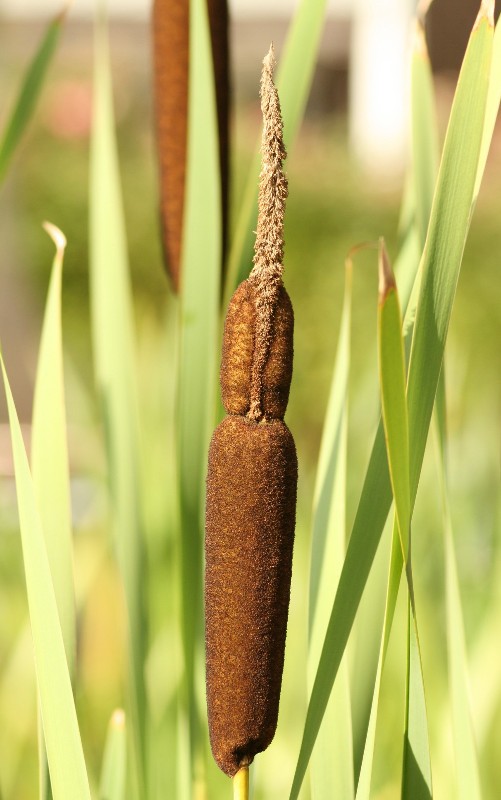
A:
(425, 149)
(392, 381)
(332, 759)
(465, 751)
(113, 771)
(49, 454)
(416, 769)
(67, 768)
(492, 109)
(114, 359)
(394, 573)
(50, 469)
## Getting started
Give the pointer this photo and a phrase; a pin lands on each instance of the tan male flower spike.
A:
(251, 485)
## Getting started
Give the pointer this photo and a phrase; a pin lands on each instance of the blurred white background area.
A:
(140, 8)
(374, 42)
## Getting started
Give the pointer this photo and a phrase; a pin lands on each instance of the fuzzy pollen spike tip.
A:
(266, 275)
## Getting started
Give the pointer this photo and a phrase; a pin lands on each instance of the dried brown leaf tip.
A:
(170, 29)
(251, 485)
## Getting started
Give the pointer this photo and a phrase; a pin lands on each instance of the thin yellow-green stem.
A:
(241, 784)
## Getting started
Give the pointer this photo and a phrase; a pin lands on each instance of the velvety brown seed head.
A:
(171, 66)
(239, 342)
(250, 515)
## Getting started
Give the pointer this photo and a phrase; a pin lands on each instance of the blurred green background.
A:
(332, 206)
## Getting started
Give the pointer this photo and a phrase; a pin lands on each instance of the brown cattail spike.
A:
(251, 487)
(171, 69)
(250, 515)
(266, 275)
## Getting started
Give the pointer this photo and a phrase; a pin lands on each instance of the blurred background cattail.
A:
(171, 46)
(171, 41)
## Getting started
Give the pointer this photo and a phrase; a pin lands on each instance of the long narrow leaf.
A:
(200, 294)
(394, 407)
(49, 454)
(332, 760)
(68, 772)
(425, 151)
(442, 258)
(29, 93)
(416, 769)
(465, 751)
(394, 573)
(113, 772)
(492, 109)
(114, 358)
(392, 381)
(50, 469)
(293, 83)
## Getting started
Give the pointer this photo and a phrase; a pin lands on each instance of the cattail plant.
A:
(251, 484)
(171, 45)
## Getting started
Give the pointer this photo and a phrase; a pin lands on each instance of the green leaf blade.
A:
(463, 735)
(113, 772)
(393, 402)
(332, 773)
(445, 244)
(50, 469)
(416, 769)
(114, 361)
(62, 738)
(446, 238)
(425, 148)
(49, 455)
(29, 93)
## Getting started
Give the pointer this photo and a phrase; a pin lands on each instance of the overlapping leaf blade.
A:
(467, 767)
(68, 772)
(332, 759)
(416, 770)
(114, 358)
(441, 263)
(199, 327)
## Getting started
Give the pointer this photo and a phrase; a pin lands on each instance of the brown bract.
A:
(171, 74)
(239, 354)
(250, 516)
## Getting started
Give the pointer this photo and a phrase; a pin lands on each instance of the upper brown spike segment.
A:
(170, 22)
(266, 275)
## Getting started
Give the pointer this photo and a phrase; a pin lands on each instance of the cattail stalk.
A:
(170, 22)
(251, 486)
